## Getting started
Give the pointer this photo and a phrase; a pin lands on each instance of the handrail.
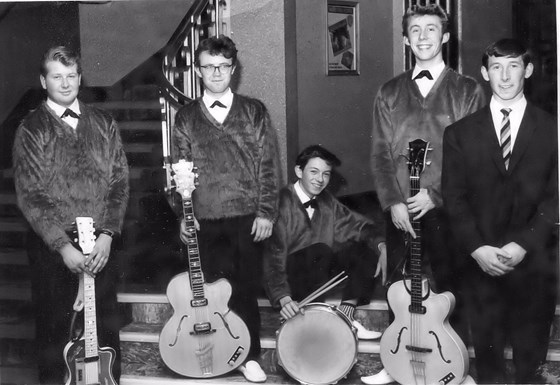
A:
(178, 82)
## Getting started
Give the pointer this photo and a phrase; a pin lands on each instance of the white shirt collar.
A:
(435, 71)
(303, 197)
(75, 106)
(515, 116)
(226, 99)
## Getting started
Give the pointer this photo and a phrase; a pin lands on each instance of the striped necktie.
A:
(505, 136)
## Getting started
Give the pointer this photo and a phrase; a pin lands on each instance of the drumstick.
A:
(320, 292)
(313, 295)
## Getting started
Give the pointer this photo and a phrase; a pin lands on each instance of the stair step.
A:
(13, 256)
(16, 225)
(128, 105)
(15, 290)
(142, 364)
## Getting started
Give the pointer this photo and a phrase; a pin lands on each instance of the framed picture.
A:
(342, 38)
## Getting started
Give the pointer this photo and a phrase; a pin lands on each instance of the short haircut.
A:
(317, 151)
(423, 10)
(216, 45)
(63, 55)
(506, 48)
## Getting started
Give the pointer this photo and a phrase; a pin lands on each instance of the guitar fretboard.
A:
(196, 276)
(416, 255)
(90, 323)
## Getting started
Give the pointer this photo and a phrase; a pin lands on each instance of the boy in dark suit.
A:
(500, 189)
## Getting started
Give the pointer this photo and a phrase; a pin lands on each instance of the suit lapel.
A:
(488, 136)
(526, 130)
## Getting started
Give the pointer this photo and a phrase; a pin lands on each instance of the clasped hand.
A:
(496, 261)
(419, 204)
(94, 262)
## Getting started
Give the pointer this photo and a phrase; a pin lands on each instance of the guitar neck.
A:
(195, 268)
(90, 319)
(416, 255)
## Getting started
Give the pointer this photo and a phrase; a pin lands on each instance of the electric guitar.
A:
(203, 338)
(420, 347)
(86, 362)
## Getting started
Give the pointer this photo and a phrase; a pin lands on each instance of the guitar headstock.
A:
(86, 234)
(185, 177)
(417, 153)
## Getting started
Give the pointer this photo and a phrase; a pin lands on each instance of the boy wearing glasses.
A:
(229, 137)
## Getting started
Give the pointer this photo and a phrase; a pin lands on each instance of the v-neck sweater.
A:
(237, 160)
(401, 115)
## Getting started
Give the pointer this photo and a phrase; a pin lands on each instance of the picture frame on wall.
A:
(342, 38)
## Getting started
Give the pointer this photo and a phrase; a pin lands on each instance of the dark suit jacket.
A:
(489, 205)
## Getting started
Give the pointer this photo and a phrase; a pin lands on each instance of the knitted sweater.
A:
(401, 114)
(61, 174)
(238, 160)
(332, 224)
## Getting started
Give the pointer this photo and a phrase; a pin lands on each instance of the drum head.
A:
(318, 347)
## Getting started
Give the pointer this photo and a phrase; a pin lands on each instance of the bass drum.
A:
(317, 347)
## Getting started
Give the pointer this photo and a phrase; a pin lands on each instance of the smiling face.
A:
(426, 38)
(314, 177)
(507, 77)
(61, 82)
(215, 82)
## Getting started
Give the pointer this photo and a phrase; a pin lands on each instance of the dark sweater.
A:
(401, 114)
(61, 173)
(237, 161)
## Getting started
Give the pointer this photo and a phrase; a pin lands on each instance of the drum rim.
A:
(333, 310)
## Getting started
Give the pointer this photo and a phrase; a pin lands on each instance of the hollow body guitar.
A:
(420, 347)
(86, 362)
(203, 338)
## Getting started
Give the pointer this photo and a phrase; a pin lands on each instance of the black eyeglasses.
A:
(211, 69)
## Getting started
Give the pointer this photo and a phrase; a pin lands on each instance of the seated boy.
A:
(315, 234)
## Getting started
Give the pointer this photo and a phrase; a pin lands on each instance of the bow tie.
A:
(70, 113)
(218, 103)
(422, 74)
(311, 203)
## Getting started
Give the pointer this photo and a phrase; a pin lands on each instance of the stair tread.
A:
(128, 105)
(15, 290)
(13, 224)
(140, 125)
(13, 256)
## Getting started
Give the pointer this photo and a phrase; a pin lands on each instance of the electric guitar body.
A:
(203, 338)
(76, 364)
(420, 347)
(202, 349)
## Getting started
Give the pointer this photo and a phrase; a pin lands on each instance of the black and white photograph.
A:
(279, 191)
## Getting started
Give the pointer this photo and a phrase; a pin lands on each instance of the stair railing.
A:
(179, 83)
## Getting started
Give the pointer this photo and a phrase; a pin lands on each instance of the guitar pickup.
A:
(202, 328)
(199, 302)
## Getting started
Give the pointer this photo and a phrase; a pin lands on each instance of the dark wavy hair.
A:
(423, 10)
(506, 48)
(317, 151)
(216, 45)
(61, 54)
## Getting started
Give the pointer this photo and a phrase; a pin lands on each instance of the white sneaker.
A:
(252, 371)
(364, 334)
(383, 377)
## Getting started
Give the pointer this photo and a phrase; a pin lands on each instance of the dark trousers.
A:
(227, 251)
(439, 260)
(309, 268)
(518, 309)
(54, 290)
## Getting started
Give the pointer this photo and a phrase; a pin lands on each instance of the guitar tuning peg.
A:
(428, 162)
